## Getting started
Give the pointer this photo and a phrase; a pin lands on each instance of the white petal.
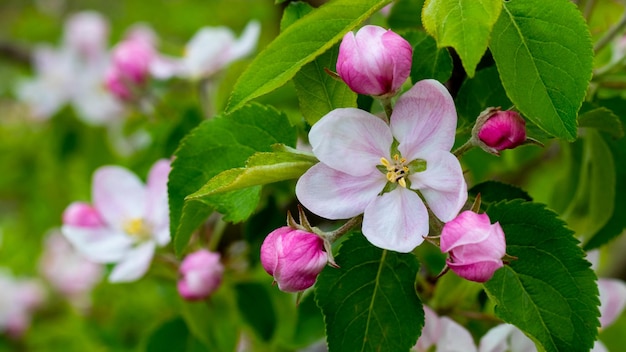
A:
(118, 195)
(157, 207)
(442, 185)
(612, 300)
(454, 337)
(207, 51)
(246, 42)
(424, 119)
(351, 140)
(333, 194)
(100, 245)
(397, 221)
(134, 265)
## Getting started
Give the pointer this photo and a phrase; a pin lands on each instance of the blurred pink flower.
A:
(361, 172)
(210, 50)
(444, 333)
(201, 274)
(293, 257)
(73, 73)
(375, 61)
(19, 298)
(67, 271)
(476, 246)
(135, 220)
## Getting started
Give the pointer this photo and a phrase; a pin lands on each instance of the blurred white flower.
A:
(19, 298)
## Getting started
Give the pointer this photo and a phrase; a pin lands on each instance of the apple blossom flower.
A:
(135, 220)
(210, 50)
(506, 338)
(67, 271)
(73, 73)
(201, 274)
(612, 300)
(497, 130)
(444, 333)
(476, 246)
(375, 61)
(293, 257)
(362, 171)
(19, 298)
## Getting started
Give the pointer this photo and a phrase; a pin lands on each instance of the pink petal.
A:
(100, 245)
(333, 194)
(442, 185)
(351, 140)
(612, 300)
(424, 120)
(478, 271)
(118, 195)
(135, 263)
(467, 228)
(361, 61)
(157, 206)
(396, 220)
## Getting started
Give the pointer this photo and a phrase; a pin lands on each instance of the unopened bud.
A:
(81, 214)
(497, 130)
(201, 274)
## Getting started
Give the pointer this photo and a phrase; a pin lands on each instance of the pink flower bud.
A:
(293, 257)
(81, 214)
(502, 130)
(201, 273)
(375, 61)
(132, 58)
(476, 246)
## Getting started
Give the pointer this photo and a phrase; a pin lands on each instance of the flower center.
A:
(138, 229)
(397, 169)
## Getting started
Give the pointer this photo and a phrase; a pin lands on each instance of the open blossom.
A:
(475, 245)
(67, 271)
(201, 274)
(73, 73)
(293, 257)
(375, 61)
(126, 223)
(444, 333)
(19, 298)
(210, 50)
(360, 170)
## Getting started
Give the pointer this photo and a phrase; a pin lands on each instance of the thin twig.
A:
(610, 35)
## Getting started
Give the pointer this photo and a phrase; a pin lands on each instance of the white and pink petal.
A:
(135, 263)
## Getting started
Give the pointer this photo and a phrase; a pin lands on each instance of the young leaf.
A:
(549, 292)
(544, 55)
(261, 168)
(370, 303)
(220, 144)
(602, 119)
(318, 92)
(298, 45)
(464, 25)
(430, 61)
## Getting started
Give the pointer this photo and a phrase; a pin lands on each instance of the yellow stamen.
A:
(397, 171)
(137, 228)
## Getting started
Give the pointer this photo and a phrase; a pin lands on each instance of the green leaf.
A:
(428, 60)
(173, 335)
(544, 55)
(464, 25)
(261, 168)
(220, 144)
(298, 45)
(549, 292)
(478, 93)
(602, 119)
(370, 303)
(406, 14)
(294, 11)
(216, 335)
(255, 306)
(593, 202)
(494, 191)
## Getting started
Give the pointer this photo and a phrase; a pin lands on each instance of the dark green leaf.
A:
(298, 45)
(370, 303)
(494, 191)
(406, 14)
(255, 306)
(173, 335)
(549, 292)
(544, 55)
(464, 25)
(217, 145)
(430, 61)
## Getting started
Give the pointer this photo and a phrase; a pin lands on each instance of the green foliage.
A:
(464, 25)
(370, 303)
(549, 291)
(298, 45)
(406, 14)
(544, 56)
(428, 60)
(219, 144)
(494, 191)
(255, 306)
(173, 335)
(602, 119)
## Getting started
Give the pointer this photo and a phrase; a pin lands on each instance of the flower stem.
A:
(334, 235)
(462, 149)
(610, 35)
(216, 235)
(386, 102)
